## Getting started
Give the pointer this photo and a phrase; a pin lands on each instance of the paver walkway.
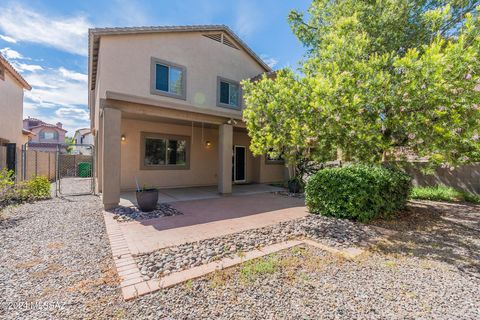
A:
(210, 218)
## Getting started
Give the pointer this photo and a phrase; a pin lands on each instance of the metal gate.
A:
(75, 170)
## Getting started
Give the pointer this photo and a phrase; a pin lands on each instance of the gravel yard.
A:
(330, 231)
(57, 252)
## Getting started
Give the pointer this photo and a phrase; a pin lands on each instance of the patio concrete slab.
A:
(210, 218)
(127, 199)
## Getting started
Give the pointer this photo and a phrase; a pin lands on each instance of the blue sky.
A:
(47, 41)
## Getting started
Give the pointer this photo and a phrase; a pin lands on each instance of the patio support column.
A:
(111, 157)
(225, 147)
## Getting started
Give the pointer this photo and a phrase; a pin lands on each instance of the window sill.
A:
(227, 106)
(165, 167)
(168, 94)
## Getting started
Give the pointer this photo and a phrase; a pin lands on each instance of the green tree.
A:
(378, 75)
(69, 141)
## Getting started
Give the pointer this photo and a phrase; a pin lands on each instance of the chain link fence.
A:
(70, 169)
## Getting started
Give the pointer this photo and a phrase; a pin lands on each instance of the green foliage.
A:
(442, 193)
(378, 75)
(69, 141)
(258, 267)
(37, 188)
(357, 192)
(6, 180)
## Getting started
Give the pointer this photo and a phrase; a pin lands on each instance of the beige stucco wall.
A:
(124, 65)
(11, 109)
(203, 161)
(270, 172)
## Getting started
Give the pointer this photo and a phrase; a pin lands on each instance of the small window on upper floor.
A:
(228, 93)
(168, 79)
(48, 135)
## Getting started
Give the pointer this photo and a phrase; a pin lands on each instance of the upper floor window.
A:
(49, 135)
(168, 79)
(228, 93)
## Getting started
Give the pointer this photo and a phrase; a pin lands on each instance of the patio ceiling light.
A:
(123, 137)
(208, 144)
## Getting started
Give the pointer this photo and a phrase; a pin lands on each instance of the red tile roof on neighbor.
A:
(47, 125)
(28, 132)
(14, 73)
(42, 124)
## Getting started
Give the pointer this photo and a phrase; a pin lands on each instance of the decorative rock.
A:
(126, 214)
(333, 232)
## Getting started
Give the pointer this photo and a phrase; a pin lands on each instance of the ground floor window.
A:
(274, 160)
(164, 151)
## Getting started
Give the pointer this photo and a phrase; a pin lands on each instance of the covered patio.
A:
(144, 143)
(128, 199)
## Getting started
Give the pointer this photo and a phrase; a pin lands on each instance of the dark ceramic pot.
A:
(293, 186)
(147, 199)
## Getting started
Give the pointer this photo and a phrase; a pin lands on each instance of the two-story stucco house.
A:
(12, 86)
(47, 137)
(166, 109)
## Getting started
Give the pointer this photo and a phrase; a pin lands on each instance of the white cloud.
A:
(270, 61)
(75, 113)
(247, 18)
(73, 75)
(26, 67)
(10, 53)
(7, 39)
(52, 86)
(67, 34)
(15, 57)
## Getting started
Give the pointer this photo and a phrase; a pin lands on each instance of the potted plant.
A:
(147, 199)
(294, 185)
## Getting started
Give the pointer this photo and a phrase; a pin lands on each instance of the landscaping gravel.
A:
(333, 232)
(126, 214)
(317, 285)
(55, 261)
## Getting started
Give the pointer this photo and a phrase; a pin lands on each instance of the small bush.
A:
(357, 192)
(442, 193)
(38, 188)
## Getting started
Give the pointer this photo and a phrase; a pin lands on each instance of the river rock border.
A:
(127, 214)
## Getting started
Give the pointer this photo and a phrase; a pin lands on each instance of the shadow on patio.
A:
(209, 218)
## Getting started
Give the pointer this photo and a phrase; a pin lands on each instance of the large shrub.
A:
(358, 192)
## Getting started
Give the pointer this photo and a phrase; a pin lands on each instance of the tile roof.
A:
(14, 73)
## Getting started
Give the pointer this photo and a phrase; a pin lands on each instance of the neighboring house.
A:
(166, 109)
(12, 86)
(83, 138)
(47, 137)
